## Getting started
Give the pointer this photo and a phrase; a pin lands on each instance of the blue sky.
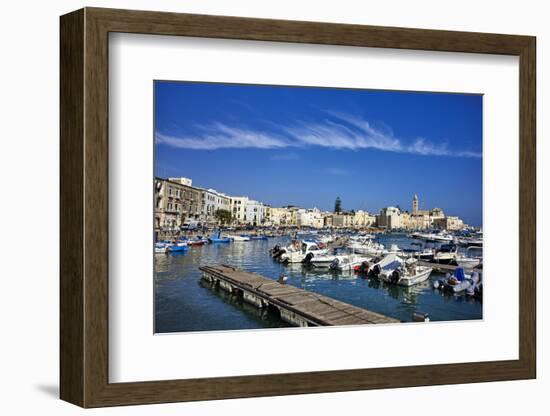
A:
(306, 146)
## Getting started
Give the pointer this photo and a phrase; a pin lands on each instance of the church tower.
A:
(415, 204)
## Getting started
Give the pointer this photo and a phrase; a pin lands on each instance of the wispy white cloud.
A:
(221, 136)
(336, 131)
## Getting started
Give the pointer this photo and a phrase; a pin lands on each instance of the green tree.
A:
(338, 205)
(223, 216)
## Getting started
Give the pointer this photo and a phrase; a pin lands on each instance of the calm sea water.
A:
(184, 303)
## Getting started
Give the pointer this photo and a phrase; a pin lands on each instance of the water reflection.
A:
(183, 303)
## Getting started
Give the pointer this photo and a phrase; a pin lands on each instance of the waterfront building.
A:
(175, 205)
(422, 219)
(291, 214)
(436, 214)
(238, 209)
(449, 223)
(280, 216)
(254, 212)
(267, 215)
(362, 219)
(213, 201)
(182, 181)
(389, 217)
(309, 218)
(406, 220)
(343, 220)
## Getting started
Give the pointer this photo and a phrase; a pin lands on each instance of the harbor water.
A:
(183, 302)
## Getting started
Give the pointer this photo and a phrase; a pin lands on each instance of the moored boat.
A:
(177, 247)
(257, 237)
(446, 254)
(347, 262)
(239, 237)
(324, 261)
(306, 251)
(457, 283)
(216, 237)
(408, 273)
(161, 247)
(197, 241)
(377, 265)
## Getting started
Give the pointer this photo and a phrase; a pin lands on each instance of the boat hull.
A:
(219, 240)
(468, 263)
(420, 277)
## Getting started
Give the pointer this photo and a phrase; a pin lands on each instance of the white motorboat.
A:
(377, 265)
(446, 254)
(307, 251)
(408, 273)
(469, 261)
(347, 262)
(239, 237)
(367, 246)
(161, 248)
(442, 237)
(426, 254)
(277, 251)
(324, 261)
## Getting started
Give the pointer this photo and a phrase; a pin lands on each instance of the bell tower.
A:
(415, 205)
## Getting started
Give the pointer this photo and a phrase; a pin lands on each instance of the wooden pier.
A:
(296, 306)
(443, 268)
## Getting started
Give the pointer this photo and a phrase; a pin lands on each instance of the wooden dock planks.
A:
(314, 307)
(443, 268)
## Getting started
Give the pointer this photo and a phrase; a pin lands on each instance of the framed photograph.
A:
(255, 207)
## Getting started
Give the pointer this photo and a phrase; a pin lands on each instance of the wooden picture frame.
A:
(84, 207)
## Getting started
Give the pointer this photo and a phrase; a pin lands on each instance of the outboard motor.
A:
(279, 253)
(334, 264)
(364, 267)
(275, 249)
(395, 276)
(307, 258)
(375, 271)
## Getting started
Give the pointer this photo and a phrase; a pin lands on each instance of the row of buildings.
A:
(179, 203)
(394, 217)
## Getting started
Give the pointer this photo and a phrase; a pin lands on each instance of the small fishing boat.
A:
(161, 247)
(408, 273)
(324, 261)
(367, 246)
(306, 251)
(197, 241)
(442, 237)
(377, 265)
(177, 247)
(239, 237)
(258, 237)
(277, 251)
(457, 283)
(468, 261)
(446, 254)
(347, 262)
(216, 237)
